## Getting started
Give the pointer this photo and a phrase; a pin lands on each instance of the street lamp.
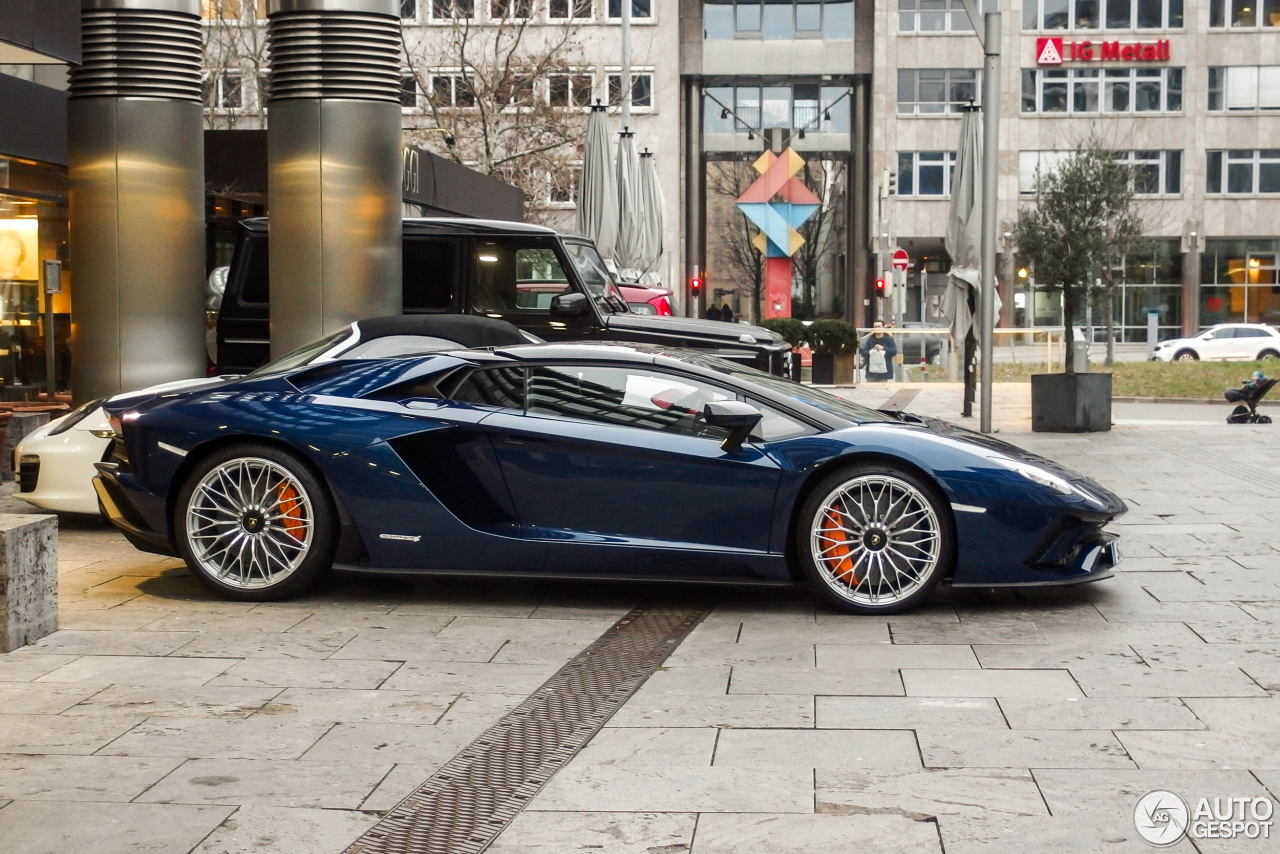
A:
(987, 28)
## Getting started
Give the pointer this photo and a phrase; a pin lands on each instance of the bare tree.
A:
(234, 59)
(726, 181)
(821, 232)
(506, 96)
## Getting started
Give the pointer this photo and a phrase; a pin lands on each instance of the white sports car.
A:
(54, 464)
(1240, 342)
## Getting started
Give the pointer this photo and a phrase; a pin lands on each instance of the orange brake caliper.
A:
(291, 508)
(839, 559)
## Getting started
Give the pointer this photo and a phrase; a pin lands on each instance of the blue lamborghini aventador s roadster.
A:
(587, 461)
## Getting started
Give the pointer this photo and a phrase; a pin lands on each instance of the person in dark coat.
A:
(878, 351)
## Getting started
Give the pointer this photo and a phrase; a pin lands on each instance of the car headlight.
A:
(75, 416)
(1036, 475)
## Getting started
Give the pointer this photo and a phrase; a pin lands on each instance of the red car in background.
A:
(645, 300)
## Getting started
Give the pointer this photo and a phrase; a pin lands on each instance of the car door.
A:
(430, 274)
(622, 451)
(244, 325)
(1218, 343)
(516, 278)
(1249, 341)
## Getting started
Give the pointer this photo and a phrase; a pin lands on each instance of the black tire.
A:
(1186, 356)
(1268, 354)
(225, 529)
(836, 574)
(1263, 419)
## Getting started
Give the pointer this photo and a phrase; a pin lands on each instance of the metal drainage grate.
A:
(468, 802)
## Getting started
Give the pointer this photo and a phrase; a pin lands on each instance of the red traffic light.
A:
(695, 286)
(880, 287)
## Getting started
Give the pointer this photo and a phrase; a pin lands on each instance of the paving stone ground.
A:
(160, 719)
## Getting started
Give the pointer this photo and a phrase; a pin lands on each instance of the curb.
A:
(1201, 400)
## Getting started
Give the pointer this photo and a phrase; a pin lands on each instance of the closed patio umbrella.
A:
(964, 224)
(597, 188)
(629, 250)
(654, 213)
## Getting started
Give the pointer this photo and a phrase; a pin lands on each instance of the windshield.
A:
(304, 354)
(808, 395)
(595, 276)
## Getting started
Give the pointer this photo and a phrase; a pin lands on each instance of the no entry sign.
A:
(900, 259)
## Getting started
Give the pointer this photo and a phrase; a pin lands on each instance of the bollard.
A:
(28, 579)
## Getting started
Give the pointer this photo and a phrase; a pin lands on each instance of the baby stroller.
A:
(1248, 395)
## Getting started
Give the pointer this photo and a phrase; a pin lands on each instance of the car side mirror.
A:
(735, 416)
(572, 304)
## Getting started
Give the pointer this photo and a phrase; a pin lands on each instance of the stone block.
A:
(19, 425)
(28, 579)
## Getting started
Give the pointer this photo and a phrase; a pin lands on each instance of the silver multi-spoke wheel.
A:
(876, 540)
(249, 523)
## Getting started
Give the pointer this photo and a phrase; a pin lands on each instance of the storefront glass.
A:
(33, 229)
(1239, 282)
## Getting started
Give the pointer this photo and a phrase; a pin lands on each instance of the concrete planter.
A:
(844, 369)
(824, 369)
(1070, 403)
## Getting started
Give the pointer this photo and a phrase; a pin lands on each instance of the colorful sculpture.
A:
(778, 203)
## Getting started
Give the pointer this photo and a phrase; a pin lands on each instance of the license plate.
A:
(1115, 552)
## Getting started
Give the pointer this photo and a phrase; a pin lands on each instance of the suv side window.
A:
(516, 274)
(256, 278)
(430, 274)
(1221, 334)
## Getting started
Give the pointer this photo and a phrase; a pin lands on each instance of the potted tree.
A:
(1082, 209)
(794, 333)
(834, 344)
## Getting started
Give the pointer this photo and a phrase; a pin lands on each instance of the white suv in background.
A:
(1238, 342)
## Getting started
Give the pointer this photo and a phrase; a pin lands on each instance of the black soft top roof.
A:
(466, 330)
(446, 225)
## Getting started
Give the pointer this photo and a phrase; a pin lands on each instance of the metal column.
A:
(136, 168)
(990, 204)
(695, 217)
(859, 240)
(334, 165)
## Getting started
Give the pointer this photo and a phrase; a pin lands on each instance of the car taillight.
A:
(662, 305)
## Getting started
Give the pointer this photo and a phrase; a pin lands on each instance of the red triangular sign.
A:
(1050, 52)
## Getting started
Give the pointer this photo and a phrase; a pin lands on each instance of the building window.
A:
(1154, 173)
(933, 91)
(223, 91)
(778, 19)
(926, 173)
(938, 16)
(639, 9)
(569, 90)
(408, 10)
(1102, 14)
(1243, 172)
(408, 93)
(641, 90)
(811, 108)
(1244, 88)
(451, 90)
(562, 186)
(510, 10)
(1101, 90)
(564, 10)
(1244, 13)
(449, 10)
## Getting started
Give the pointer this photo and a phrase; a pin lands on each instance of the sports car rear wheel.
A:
(875, 539)
(255, 523)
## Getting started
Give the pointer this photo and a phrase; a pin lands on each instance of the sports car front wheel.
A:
(875, 539)
(255, 524)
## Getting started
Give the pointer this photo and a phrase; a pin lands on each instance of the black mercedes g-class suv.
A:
(552, 285)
